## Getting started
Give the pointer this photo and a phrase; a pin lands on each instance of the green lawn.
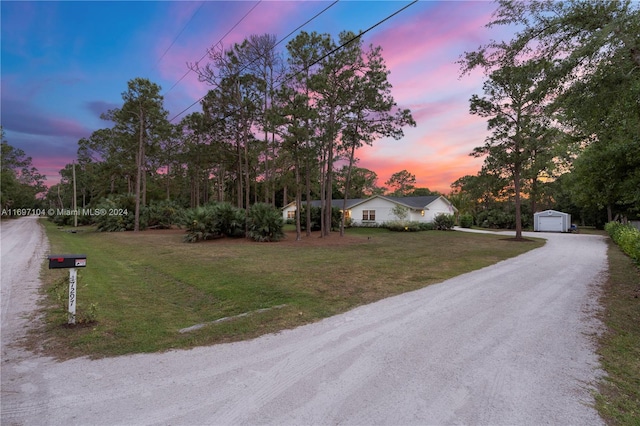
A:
(619, 347)
(146, 287)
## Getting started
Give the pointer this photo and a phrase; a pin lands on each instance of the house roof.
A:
(420, 202)
(551, 213)
(414, 202)
(334, 203)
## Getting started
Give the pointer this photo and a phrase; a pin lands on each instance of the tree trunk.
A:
(516, 183)
(168, 182)
(534, 194)
(298, 200)
(329, 179)
(139, 161)
(239, 173)
(346, 187)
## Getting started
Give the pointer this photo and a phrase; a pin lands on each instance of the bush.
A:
(497, 219)
(213, 220)
(403, 226)
(120, 214)
(466, 221)
(162, 214)
(626, 237)
(230, 219)
(444, 222)
(265, 223)
(200, 224)
(426, 226)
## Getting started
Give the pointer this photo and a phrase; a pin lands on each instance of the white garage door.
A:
(550, 224)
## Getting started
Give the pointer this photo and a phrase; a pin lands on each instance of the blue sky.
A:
(65, 63)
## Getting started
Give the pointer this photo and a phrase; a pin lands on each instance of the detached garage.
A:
(551, 221)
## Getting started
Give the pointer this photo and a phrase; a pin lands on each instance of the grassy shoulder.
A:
(618, 400)
(148, 286)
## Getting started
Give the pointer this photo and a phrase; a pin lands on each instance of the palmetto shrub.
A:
(117, 213)
(200, 224)
(162, 214)
(265, 223)
(230, 219)
(212, 221)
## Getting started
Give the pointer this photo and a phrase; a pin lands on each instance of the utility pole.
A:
(75, 202)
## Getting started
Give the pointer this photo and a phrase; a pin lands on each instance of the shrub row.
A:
(117, 213)
(442, 222)
(263, 222)
(404, 226)
(626, 237)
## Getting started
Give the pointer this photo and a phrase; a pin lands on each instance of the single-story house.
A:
(551, 221)
(379, 209)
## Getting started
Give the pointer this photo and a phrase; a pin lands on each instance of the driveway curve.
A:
(508, 344)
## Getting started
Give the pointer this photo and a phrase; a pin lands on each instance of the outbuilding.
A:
(551, 221)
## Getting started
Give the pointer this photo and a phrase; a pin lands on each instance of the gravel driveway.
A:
(509, 344)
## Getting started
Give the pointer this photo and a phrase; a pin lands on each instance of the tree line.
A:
(275, 126)
(562, 102)
(560, 99)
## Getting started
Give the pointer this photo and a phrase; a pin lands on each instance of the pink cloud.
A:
(420, 50)
(50, 167)
(421, 55)
(264, 19)
(431, 34)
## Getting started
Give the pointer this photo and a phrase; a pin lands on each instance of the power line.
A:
(308, 20)
(360, 34)
(219, 42)
(180, 33)
(323, 57)
(246, 66)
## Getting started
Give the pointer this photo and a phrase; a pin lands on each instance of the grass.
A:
(618, 400)
(146, 287)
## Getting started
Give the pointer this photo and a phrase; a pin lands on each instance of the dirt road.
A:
(509, 344)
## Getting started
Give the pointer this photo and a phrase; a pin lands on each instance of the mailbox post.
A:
(71, 262)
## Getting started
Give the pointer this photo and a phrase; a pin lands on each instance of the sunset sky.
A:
(65, 63)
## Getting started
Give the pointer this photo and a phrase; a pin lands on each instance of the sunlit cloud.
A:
(64, 77)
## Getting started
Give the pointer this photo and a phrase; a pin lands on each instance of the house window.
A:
(291, 214)
(347, 214)
(368, 215)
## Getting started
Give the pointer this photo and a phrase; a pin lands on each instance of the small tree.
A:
(400, 212)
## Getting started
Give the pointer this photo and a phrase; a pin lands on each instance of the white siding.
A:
(551, 221)
(288, 208)
(437, 207)
(383, 211)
